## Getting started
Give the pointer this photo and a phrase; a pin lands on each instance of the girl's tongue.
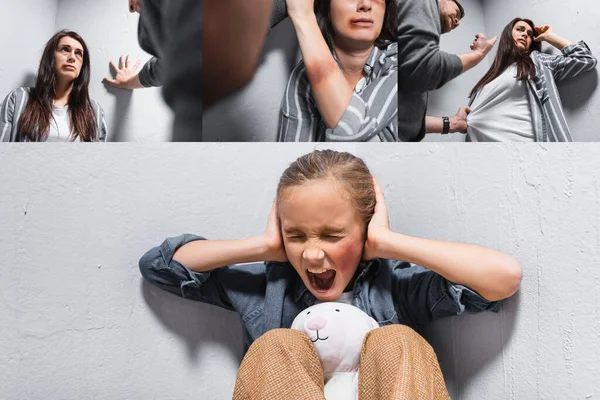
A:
(322, 282)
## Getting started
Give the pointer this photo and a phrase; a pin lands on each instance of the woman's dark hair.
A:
(388, 30)
(508, 53)
(34, 124)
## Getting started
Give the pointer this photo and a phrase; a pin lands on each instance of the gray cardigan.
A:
(13, 106)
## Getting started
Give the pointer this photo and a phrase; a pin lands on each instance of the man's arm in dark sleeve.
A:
(151, 73)
(422, 66)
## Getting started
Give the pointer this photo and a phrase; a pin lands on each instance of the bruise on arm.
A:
(319, 72)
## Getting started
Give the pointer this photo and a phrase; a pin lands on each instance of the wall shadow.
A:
(576, 92)
(194, 323)
(467, 343)
(28, 80)
(120, 110)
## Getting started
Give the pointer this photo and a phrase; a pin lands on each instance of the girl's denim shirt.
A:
(269, 295)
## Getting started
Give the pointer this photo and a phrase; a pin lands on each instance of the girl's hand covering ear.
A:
(378, 227)
(273, 238)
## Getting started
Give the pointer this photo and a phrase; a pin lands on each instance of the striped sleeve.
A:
(7, 112)
(298, 117)
(100, 122)
(575, 59)
(371, 111)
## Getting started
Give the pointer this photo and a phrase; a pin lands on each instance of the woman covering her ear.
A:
(58, 108)
(517, 99)
(346, 87)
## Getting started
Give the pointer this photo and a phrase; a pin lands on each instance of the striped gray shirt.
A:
(372, 114)
(13, 106)
(549, 122)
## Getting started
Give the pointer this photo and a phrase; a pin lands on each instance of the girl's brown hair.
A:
(345, 169)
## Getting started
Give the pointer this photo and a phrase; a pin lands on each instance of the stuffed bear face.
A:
(337, 331)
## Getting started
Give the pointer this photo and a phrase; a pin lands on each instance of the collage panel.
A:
(490, 71)
(105, 284)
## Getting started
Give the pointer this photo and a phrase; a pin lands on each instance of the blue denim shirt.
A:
(269, 295)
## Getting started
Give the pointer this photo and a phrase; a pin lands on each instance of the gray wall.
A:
(76, 320)
(252, 114)
(573, 19)
(109, 31)
(21, 48)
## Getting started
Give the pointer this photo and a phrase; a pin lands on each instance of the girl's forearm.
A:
(206, 255)
(491, 274)
(329, 87)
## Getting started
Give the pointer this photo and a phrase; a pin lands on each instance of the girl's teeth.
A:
(318, 271)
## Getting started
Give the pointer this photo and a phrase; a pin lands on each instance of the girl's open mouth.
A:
(321, 279)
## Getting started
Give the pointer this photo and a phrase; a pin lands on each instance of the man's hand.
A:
(135, 6)
(482, 44)
(126, 77)
(458, 123)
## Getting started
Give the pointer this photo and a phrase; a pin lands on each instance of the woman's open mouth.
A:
(321, 279)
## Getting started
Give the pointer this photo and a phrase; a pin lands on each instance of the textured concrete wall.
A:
(25, 26)
(574, 19)
(448, 99)
(76, 320)
(111, 31)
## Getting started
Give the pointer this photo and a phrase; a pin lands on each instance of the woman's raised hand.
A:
(300, 8)
(543, 32)
(378, 227)
(273, 238)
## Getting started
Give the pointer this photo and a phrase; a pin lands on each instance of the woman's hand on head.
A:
(543, 32)
(135, 6)
(379, 226)
(273, 238)
(300, 8)
(126, 76)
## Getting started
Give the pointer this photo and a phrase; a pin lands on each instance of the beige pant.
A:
(395, 363)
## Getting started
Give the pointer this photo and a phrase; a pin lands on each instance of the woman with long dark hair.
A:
(58, 108)
(345, 88)
(517, 99)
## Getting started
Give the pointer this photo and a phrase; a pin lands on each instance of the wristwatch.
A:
(446, 129)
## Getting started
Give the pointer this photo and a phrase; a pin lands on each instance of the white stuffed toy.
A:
(337, 330)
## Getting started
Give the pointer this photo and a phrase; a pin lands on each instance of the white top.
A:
(501, 112)
(345, 297)
(60, 125)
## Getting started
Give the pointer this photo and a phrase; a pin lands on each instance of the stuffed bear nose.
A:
(316, 323)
